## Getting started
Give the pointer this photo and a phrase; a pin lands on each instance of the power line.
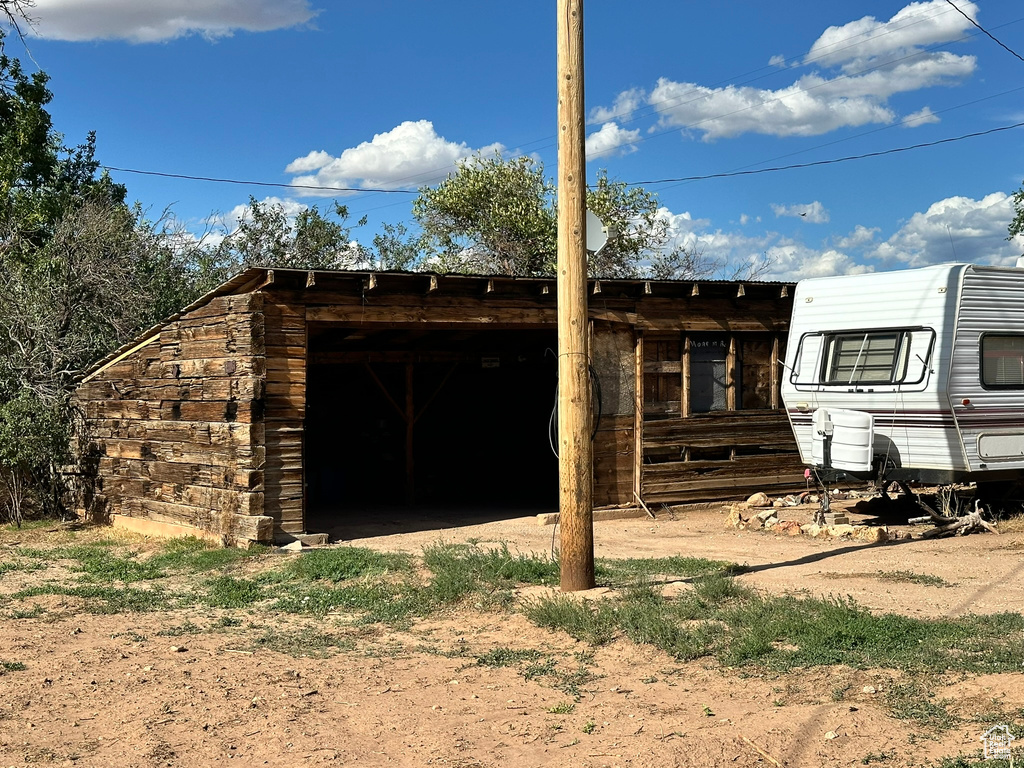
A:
(833, 161)
(723, 175)
(993, 37)
(259, 183)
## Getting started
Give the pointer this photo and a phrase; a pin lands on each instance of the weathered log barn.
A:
(285, 400)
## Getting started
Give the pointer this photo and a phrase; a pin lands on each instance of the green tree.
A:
(267, 237)
(492, 216)
(80, 272)
(1017, 224)
(498, 216)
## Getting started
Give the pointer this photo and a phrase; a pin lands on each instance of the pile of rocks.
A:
(761, 513)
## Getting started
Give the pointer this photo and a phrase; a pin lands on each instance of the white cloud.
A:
(149, 21)
(795, 261)
(860, 237)
(862, 64)
(954, 229)
(626, 103)
(407, 156)
(815, 212)
(854, 45)
(778, 60)
(611, 140)
(312, 161)
(923, 116)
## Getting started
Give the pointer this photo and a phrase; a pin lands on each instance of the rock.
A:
(778, 503)
(872, 534)
(759, 500)
(735, 519)
(770, 523)
(789, 527)
(295, 546)
(754, 523)
(840, 531)
(831, 735)
(869, 689)
(812, 529)
(765, 515)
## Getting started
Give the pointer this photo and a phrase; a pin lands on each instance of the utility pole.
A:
(575, 451)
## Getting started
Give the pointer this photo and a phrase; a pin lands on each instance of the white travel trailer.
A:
(912, 376)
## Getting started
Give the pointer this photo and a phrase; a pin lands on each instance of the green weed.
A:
(345, 563)
(563, 708)
(33, 612)
(304, 643)
(908, 701)
(631, 570)
(506, 657)
(102, 599)
(232, 592)
(581, 619)
(97, 563)
(11, 666)
(909, 577)
(193, 555)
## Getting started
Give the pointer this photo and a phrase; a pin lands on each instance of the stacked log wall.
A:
(174, 429)
(285, 318)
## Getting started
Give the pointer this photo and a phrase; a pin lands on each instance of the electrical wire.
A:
(659, 108)
(985, 31)
(260, 183)
(833, 161)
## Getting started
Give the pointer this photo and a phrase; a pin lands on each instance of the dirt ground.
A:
(185, 688)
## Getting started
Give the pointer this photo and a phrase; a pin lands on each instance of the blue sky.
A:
(392, 93)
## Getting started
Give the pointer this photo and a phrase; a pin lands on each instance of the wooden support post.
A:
(410, 422)
(575, 450)
(685, 409)
(730, 375)
(775, 372)
(638, 415)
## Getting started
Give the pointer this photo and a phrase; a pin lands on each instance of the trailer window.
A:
(870, 357)
(1002, 360)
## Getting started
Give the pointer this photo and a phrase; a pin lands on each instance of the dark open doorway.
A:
(480, 402)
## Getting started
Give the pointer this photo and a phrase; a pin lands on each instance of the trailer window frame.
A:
(985, 384)
(905, 343)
